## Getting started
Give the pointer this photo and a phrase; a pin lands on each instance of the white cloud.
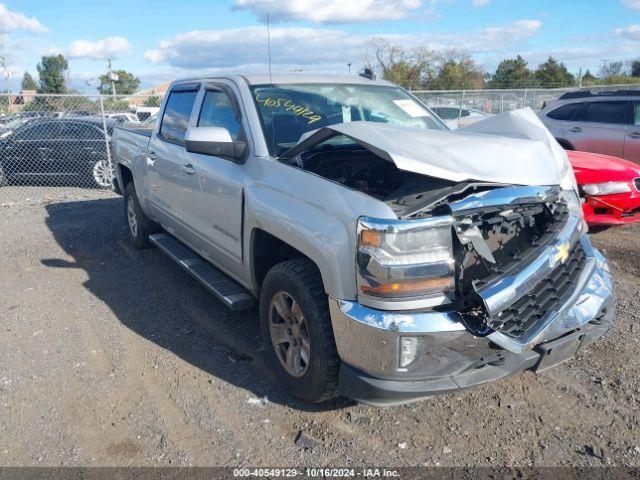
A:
(315, 48)
(632, 32)
(632, 4)
(11, 21)
(480, 3)
(330, 11)
(111, 47)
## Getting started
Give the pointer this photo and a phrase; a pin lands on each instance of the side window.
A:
(80, 131)
(604, 112)
(175, 119)
(565, 112)
(636, 114)
(217, 111)
(41, 131)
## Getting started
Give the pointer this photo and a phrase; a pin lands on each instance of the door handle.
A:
(151, 158)
(575, 129)
(634, 134)
(188, 169)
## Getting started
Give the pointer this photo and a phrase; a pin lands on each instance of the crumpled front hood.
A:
(512, 148)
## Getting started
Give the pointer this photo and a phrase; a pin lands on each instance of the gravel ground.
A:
(113, 356)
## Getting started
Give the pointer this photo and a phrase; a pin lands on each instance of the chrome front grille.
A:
(553, 291)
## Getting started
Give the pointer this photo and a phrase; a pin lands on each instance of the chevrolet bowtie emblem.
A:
(561, 253)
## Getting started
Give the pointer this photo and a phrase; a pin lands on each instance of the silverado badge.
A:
(561, 253)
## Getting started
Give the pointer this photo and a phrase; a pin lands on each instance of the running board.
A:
(228, 291)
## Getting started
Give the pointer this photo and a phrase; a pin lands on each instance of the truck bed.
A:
(140, 129)
(130, 141)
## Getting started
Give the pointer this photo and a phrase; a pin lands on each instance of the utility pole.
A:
(113, 77)
(7, 76)
(604, 67)
(580, 78)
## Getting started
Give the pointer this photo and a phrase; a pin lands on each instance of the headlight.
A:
(410, 261)
(606, 188)
(567, 176)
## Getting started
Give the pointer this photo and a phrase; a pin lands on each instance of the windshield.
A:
(289, 111)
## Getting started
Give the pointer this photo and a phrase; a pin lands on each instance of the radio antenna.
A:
(269, 45)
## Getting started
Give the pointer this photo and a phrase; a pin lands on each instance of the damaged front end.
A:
(513, 274)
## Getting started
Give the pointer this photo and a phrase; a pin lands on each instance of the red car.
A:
(610, 187)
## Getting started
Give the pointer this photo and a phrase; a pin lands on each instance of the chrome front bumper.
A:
(368, 340)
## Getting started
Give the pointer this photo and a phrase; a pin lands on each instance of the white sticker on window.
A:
(411, 108)
(346, 114)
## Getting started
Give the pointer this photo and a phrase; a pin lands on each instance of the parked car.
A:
(122, 117)
(391, 258)
(456, 116)
(56, 149)
(609, 187)
(143, 113)
(607, 123)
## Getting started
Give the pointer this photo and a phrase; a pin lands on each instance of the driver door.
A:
(216, 213)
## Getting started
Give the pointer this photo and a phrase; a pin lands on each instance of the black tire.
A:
(144, 225)
(598, 229)
(301, 279)
(564, 144)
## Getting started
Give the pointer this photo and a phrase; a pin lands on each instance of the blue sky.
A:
(161, 40)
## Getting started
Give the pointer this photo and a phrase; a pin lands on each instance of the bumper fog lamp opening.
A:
(408, 351)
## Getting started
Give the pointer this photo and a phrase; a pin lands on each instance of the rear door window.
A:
(175, 119)
(565, 112)
(41, 131)
(604, 112)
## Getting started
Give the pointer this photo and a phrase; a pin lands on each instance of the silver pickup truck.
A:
(392, 259)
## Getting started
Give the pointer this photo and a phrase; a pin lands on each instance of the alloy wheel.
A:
(132, 218)
(289, 334)
(103, 174)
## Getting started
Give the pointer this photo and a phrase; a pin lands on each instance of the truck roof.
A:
(287, 78)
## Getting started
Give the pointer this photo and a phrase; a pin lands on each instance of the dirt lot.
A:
(111, 356)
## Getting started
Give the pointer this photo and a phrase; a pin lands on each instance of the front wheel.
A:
(297, 333)
(140, 226)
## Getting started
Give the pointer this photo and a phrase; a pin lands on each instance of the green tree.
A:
(28, 82)
(512, 73)
(553, 74)
(408, 68)
(126, 84)
(589, 79)
(457, 71)
(52, 70)
(635, 68)
(153, 101)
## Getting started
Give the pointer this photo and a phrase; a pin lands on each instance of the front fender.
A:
(313, 215)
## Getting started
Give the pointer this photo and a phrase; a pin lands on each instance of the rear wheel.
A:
(297, 333)
(139, 225)
(102, 174)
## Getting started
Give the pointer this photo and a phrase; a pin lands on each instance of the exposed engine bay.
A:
(362, 170)
(488, 242)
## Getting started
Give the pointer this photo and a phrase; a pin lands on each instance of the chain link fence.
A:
(462, 107)
(56, 146)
